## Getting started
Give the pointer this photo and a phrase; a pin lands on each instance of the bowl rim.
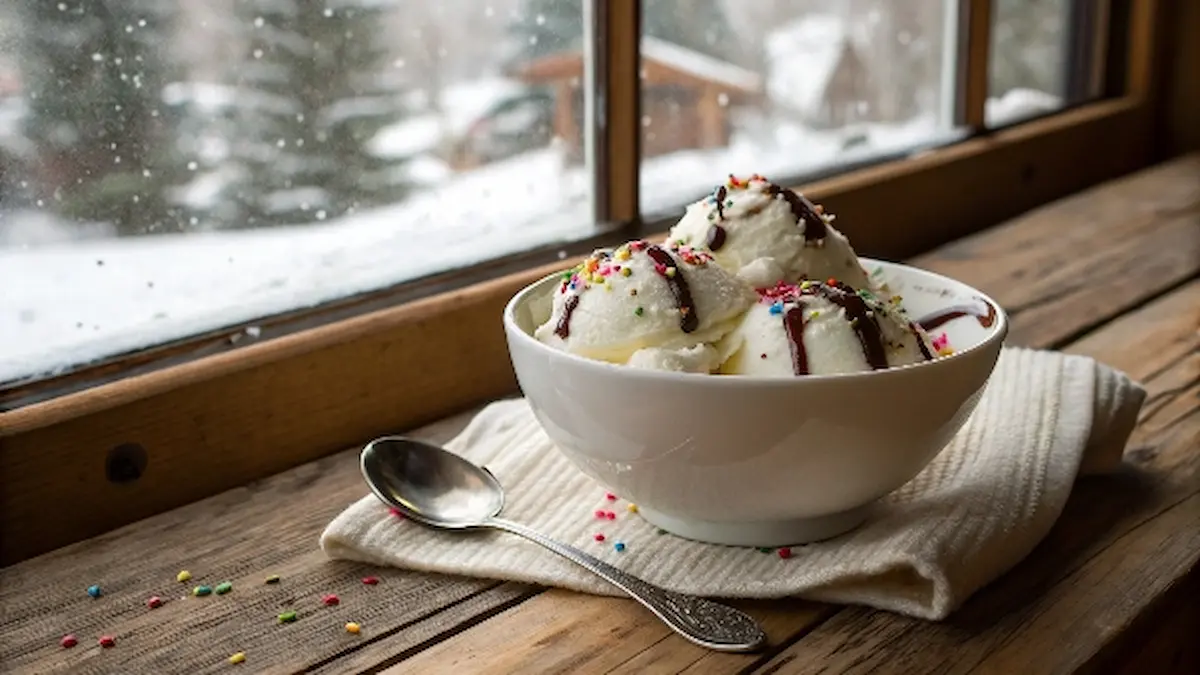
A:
(515, 332)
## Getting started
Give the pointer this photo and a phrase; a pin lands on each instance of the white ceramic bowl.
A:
(753, 461)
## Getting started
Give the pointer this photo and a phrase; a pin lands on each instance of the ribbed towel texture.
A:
(974, 512)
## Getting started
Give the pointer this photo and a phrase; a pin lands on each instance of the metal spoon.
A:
(440, 489)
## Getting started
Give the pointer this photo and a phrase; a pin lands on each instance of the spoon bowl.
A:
(429, 484)
(439, 489)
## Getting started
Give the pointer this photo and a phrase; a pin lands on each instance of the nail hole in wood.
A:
(125, 463)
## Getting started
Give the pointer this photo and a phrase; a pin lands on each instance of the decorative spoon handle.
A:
(706, 623)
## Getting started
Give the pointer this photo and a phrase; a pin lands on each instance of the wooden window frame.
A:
(391, 361)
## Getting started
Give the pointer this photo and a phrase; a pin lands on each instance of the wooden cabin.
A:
(686, 96)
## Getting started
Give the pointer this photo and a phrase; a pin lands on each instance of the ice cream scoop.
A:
(823, 328)
(640, 295)
(767, 233)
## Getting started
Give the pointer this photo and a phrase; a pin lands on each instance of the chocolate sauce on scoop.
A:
(986, 315)
(688, 320)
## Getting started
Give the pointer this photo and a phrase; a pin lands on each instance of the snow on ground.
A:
(69, 294)
(70, 302)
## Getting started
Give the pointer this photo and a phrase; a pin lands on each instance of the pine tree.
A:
(549, 26)
(94, 73)
(1028, 46)
(311, 93)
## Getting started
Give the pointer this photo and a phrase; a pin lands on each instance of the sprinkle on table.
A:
(370, 581)
(68, 641)
(223, 588)
(619, 546)
(632, 508)
(183, 576)
(287, 617)
(330, 600)
(610, 496)
(107, 641)
(352, 627)
(610, 515)
(201, 591)
(154, 602)
(598, 536)
(600, 513)
(93, 591)
(237, 657)
(273, 579)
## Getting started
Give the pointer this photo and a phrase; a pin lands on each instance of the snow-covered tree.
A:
(102, 142)
(1029, 45)
(310, 93)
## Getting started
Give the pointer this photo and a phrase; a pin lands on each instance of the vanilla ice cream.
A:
(766, 233)
(817, 328)
(640, 296)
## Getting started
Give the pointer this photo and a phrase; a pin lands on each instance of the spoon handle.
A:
(708, 624)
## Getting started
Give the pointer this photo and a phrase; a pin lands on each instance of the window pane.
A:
(1028, 59)
(174, 167)
(785, 87)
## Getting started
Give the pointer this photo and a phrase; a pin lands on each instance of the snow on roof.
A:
(802, 56)
(698, 64)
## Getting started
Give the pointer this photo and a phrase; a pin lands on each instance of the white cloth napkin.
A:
(973, 513)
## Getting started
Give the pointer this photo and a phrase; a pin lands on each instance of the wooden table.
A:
(1111, 273)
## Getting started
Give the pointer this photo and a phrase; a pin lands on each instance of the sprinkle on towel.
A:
(287, 617)
(183, 576)
(154, 602)
(785, 553)
(370, 581)
(632, 508)
(107, 641)
(201, 590)
(273, 579)
(619, 546)
(598, 536)
(223, 588)
(68, 641)
(352, 627)
(330, 600)
(396, 512)
(237, 657)
(610, 496)
(93, 591)
(601, 514)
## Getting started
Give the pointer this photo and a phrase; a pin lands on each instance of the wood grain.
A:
(242, 536)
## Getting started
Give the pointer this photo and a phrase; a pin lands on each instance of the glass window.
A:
(1027, 60)
(173, 167)
(783, 88)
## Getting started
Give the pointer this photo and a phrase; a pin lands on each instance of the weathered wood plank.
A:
(242, 535)
(1121, 543)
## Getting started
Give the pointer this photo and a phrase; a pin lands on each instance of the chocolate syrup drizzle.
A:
(793, 325)
(802, 209)
(563, 328)
(921, 343)
(861, 317)
(688, 320)
(986, 315)
(716, 238)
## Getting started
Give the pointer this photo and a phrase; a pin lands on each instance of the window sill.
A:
(231, 418)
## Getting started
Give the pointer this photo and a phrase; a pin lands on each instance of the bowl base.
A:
(772, 533)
